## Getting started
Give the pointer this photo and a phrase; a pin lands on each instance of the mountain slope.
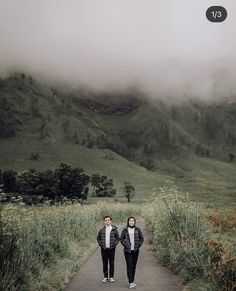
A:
(121, 135)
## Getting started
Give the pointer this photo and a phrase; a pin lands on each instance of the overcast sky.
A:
(167, 47)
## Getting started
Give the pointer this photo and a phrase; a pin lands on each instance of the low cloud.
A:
(168, 48)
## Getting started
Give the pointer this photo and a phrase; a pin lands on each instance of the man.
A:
(108, 239)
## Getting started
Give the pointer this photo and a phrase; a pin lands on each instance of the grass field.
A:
(91, 160)
(189, 239)
(206, 180)
(43, 246)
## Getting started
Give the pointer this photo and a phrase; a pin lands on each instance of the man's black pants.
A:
(131, 262)
(108, 255)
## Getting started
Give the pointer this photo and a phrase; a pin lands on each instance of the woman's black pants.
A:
(108, 255)
(131, 262)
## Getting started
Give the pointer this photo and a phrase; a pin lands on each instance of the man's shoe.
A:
(135, 285)
(105, 280)
(112, 280)
(131, 285)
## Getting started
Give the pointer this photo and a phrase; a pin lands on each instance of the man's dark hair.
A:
(107, 216)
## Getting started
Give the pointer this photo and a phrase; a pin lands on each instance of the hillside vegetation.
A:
(123, 135)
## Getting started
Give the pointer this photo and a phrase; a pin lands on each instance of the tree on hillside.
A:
(129, 191)
(201, 150)
(34, 107)
(9, 123)
(71, 182)
(54, 92)
(231, 157)
(95, 181)
(212, 125)
(90, 144)
(65, 181)
(46, 185)
(109, 157)
(31, 80)
(28, 182)
(174, 112)
(105, 187)
(150, 146)
(22, 75)
(33, 182)
(66, 125)
(9, 181)
(230, 139)
(148, 164)
(75, 138)
(1, 83)
(34, 156)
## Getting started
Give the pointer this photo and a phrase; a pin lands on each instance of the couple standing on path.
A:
(131, 238)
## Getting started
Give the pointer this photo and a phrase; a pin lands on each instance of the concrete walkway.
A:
(150, 276)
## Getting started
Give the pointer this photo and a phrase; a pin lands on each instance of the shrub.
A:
(223, 271)
(222, 220)
(182, 239)
(129, 191)
(103, 185)
(34, 156)
(9, 181)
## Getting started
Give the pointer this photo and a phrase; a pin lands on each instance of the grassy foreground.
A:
(187, 243)
(41, 247)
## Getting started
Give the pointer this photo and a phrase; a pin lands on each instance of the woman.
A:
(131, 238)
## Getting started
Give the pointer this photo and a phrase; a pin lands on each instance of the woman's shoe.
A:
(131, 285)
(104, 280)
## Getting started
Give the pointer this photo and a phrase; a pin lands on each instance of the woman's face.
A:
(131, 222)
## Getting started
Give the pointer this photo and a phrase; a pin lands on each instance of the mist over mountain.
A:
(121, 86)
(166, 48)
(127, 122)
(122, 134)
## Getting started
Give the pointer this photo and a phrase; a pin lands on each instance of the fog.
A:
(166, 47)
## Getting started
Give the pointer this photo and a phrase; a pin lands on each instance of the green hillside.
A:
(123, 135)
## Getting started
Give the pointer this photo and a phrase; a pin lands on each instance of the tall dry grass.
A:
(182, 239)
(41, 247)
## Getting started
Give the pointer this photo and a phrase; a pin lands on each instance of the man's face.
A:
(107, 221)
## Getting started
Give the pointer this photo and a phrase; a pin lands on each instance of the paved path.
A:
(150, 276)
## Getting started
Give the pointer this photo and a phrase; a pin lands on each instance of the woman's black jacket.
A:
(125, 239)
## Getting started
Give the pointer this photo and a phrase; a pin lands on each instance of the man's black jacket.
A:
(114, 237)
